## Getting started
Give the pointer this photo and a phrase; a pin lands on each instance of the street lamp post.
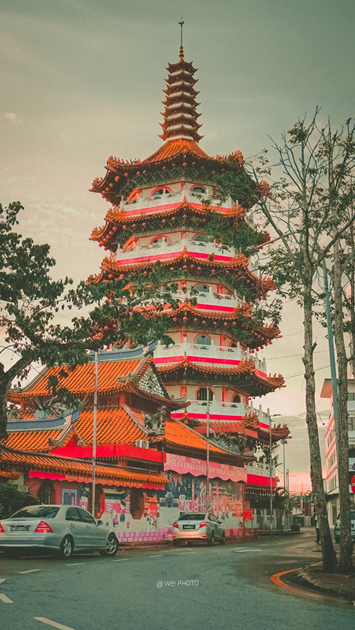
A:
(270, 467)
(285, 494)
(208, 452)
(93, 493)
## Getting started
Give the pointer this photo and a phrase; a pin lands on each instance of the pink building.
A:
(331, 475)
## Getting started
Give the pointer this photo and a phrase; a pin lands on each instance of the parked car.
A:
(194, 527)
(337, 527)
(65, 528)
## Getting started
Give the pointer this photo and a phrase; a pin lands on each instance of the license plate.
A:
(19, 528)
(189, 526)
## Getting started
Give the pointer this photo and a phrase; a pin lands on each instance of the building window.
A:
(46, 493)
(202, 394)
(69, 497)
(200, 240)
(137, 503)
(202, 288)
(160, 240)
(157, 194)
(203, 340)
(198, 190)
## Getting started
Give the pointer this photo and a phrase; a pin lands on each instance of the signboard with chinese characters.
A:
(353, 484)
(197, 467)
(248, 515)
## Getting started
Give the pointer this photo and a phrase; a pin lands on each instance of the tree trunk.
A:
(6, 379)
(4, 388)
(346, 547)
(328, 553)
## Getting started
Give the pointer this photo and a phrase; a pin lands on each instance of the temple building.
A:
(160, 419)
(160, 208)
(149, 466)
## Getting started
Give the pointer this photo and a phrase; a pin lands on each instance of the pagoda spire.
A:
(180, 115)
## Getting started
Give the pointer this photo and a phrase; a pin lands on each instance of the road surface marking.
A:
(5, 599)
(159, 555)
(75, 564)
(245, 550)
(121, 560)
(30, 571)
(184, 553)
(2, 580)
(54, 624)
(276, 579)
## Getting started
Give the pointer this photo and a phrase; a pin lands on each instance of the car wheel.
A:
(210, 541)
(111, 546)
(223, 539)
(66, 548)
(176, 543)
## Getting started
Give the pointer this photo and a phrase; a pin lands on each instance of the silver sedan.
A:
(65, 528)
(194, 527)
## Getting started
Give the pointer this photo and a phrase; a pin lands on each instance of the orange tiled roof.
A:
(31, 440)
(246, 367)
(237, 265)
(174, 149)
(114, 426)
(116, 217)
(179, 434)
(79, 470)
(81, 379)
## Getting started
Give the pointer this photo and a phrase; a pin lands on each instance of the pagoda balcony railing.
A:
(240, 409)
(211, 351)
(210, 298)
(171, 198)
(164, 247)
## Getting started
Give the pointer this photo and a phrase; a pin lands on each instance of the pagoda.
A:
(159, 209)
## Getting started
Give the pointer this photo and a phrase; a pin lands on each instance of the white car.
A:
(65, 528)
(192, 527)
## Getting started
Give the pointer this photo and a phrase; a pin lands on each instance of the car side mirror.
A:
(99, 523)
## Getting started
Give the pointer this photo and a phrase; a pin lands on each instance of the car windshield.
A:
(191, 517)
(41, 511)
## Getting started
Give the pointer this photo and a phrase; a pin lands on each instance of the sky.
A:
(82, 80)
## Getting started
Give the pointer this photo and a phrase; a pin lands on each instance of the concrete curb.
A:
(323, 582)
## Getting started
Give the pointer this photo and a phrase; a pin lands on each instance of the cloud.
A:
(12, 117)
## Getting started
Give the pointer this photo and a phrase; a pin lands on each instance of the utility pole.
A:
(93, 494)
(208, 451)
(333, 373)
(285, 493)
(270, 467)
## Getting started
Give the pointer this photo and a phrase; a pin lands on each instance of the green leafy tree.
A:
(31, 304)
(11, 499)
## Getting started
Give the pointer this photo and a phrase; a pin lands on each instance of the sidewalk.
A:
(311, 576)
(168, 541)
(336, 584)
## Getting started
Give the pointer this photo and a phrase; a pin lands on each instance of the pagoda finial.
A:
(181, 39)
(180, 115)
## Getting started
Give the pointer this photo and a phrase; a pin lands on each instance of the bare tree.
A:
(306, 210)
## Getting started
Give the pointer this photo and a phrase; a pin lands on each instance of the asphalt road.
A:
(168, 589)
